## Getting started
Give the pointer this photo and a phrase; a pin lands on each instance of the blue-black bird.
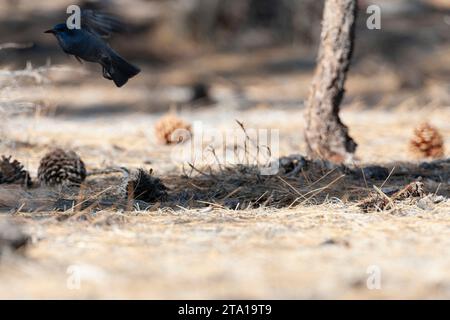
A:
(87, 43)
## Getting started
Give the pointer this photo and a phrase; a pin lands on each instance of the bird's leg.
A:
(106, 74)
(78, 58)
(105, 61)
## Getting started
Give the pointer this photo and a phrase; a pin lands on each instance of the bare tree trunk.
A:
(326, 136)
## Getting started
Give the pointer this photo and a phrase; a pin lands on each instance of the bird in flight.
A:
(88, 43)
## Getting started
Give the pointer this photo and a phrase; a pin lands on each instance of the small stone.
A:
(425, 204)
(332, 241)
(293, 164)
(12, 237)
(438, 199)
(375, 172)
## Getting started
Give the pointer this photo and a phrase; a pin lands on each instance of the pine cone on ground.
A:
(12, 172)
(377, 201)
(171, 129)
(143, 186)
(61, 167)
(427, 142)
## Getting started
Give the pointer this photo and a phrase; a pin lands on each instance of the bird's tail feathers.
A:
(120, 70)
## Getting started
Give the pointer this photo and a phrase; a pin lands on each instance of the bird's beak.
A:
(50, 31)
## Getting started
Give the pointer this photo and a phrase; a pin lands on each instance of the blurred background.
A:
(214, 59)
(253, 38)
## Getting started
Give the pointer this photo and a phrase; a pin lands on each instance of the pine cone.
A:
(377, 201)
(61, 167)
(427, 142)
(12, 172)
(171, 129)
(143, 186)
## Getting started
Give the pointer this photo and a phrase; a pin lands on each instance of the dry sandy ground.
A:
(226, 254)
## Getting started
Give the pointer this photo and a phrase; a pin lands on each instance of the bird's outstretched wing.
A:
(102, 24)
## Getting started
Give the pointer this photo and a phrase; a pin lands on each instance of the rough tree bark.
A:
(326, 136)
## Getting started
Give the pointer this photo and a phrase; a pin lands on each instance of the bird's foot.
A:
(106, 74)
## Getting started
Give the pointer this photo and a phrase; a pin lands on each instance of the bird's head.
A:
(58, 29)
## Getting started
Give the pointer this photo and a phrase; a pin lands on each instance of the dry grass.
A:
(305, 252)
